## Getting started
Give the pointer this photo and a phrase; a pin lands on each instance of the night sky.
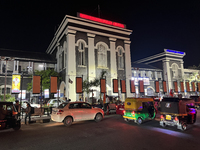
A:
(30, 25)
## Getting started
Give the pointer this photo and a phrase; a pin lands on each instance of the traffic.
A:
(173, 111)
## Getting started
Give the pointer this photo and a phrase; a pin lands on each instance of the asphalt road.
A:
(112, 133)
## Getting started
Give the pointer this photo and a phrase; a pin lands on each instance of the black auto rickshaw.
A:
(177, 112)
(8, 116)
(197, 101)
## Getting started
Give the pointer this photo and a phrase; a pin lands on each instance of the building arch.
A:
(81, 40)
(150, 91)
(175, 68)
(62, 90)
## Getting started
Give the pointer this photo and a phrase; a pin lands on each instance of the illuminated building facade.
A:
(86, 45)
(173, 72)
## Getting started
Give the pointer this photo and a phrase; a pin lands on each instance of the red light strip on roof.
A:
(101, 20)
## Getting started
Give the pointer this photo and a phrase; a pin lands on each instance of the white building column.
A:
(71, 66)
(182, 69)
(128, 67)
(57, 56)
(166, 74)
(113, 65)
(91, 57)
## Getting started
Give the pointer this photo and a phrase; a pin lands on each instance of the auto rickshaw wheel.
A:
(127, 120)
(17, 126)
(194, 120)
(183, 126)
(139, 121)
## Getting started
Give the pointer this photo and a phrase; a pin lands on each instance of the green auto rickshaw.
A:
(139, 109)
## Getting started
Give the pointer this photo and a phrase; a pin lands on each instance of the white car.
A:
(24, 104)
(76, 111)
(55, 102)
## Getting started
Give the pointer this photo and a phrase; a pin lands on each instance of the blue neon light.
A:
(176, 52)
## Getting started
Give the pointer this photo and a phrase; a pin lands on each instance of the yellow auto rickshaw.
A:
(139, 109)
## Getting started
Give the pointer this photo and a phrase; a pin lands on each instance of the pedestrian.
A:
(107, 102)
(18, 108)
(28, 113)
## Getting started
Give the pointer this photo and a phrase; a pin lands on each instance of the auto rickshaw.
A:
(8, 116)
(177, 112)
(197, 101)
(139, 109)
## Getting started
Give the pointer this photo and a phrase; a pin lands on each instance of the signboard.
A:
(16, 79)
(23, 94)
(115, 85)
(157, 86)
(145, 80)
(56, 95)
(46, 93)
(103, 85)
(100, 20)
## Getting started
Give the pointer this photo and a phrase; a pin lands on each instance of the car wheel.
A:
(68, 121)
(139, 121)
(183, 126)
(98, 117)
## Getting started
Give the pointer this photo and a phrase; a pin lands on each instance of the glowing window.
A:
(120, 58)
(102, 56)
(81, 54)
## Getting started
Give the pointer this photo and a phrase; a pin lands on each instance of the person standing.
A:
(28, 113)
(107, 102)
(18, 108)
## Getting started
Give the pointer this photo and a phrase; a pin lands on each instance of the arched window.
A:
(102, 56)
(81, 53)
(174, 70)
(120, 58)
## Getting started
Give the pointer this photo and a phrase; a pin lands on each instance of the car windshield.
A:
(62, 105)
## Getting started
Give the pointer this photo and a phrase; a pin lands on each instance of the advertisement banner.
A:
(16, 79)
(46, 93)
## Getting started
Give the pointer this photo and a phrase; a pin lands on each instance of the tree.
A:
(96, 82)
(8, 98)
(45, 77)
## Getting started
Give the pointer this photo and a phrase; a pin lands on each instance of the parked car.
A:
(54, 102)
(76, 111)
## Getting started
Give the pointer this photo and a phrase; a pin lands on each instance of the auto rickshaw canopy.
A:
(135, 103)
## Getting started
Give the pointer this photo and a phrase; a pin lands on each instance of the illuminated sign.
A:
(23, 94)
(16, 83)
(173, 51)
(145, 80)
(46, 93)
(101, 20)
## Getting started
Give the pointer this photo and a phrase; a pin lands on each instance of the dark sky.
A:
(30, 25)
